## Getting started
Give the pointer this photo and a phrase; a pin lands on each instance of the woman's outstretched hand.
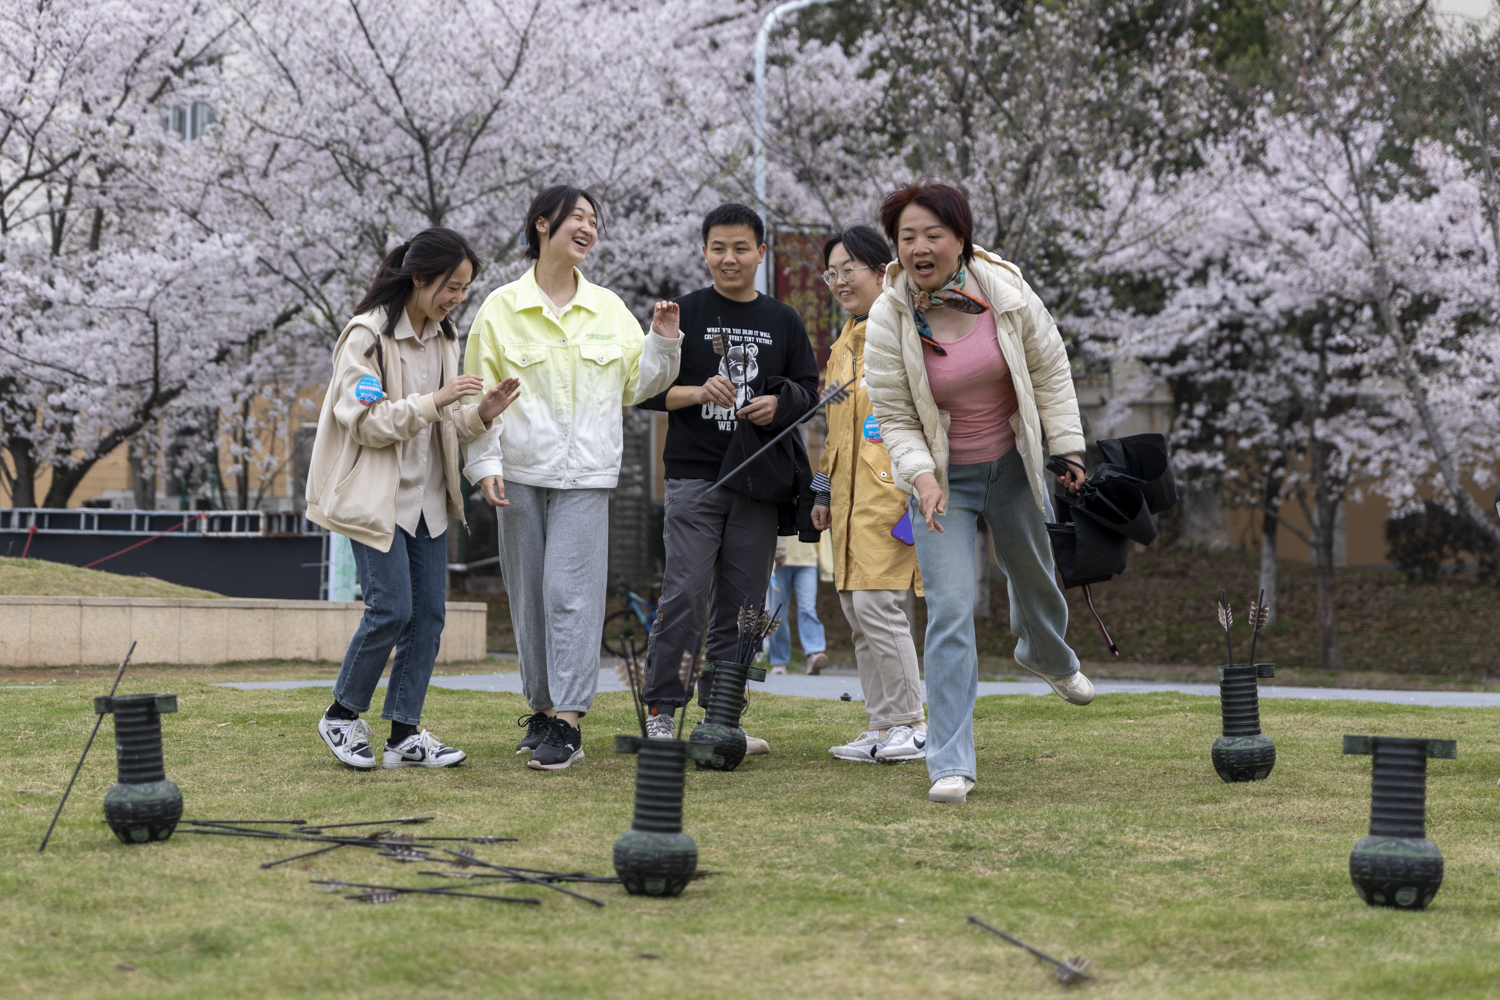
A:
(499, 398)
(930, 501)
(456, 389)
(664, 320)
(493, 488)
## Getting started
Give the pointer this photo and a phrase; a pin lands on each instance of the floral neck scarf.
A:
(950, 296)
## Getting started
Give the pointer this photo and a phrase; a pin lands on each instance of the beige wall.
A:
(74, 631)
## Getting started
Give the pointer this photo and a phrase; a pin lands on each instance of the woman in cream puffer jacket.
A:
(970, 383)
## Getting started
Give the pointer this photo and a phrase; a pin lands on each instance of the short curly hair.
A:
(943, 200)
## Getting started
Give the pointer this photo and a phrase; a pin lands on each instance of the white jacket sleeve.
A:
(656, 367)
(483, 455)
(891, 399)
(1051, 378)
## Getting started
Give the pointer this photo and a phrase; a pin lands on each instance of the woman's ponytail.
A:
(431, 255)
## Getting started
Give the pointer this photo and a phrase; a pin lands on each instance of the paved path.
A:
(802, 686)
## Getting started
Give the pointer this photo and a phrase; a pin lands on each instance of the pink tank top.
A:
(972, 383)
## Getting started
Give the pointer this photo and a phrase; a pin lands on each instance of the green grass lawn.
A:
(40, 578)
(1100, 832)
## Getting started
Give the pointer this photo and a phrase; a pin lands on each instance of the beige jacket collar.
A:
(405, 331)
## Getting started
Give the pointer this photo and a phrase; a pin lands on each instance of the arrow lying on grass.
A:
(1066, 971)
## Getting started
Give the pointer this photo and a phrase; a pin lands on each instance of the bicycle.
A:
(621, 627)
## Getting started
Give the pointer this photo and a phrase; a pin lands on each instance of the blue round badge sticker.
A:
(368, 390)
(872, 429)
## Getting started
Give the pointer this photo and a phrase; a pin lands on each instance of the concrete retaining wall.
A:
(73, 631)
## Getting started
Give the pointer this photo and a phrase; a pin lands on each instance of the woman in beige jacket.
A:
(971, 385)
(855, 494)
(385, 473)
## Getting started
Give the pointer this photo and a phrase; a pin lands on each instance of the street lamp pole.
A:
(762, 40)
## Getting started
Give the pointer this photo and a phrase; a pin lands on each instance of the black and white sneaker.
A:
(422, 750)
(349, 739)
(658, 727)
(563, 745)
(862, 748)
(536, 731)
(903, 743)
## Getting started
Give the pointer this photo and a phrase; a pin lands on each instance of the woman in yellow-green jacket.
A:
(580, 357)
(874, 564)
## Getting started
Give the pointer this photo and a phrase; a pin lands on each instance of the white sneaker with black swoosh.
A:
(903, 743)
(422, 750)
(1075, 689)
(862, 748)
(349, 739)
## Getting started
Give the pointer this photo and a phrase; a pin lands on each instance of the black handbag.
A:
(1091, 538)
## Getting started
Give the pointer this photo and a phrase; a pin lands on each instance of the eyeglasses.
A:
(832, 277)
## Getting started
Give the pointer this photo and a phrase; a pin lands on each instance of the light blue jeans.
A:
(998, 492)
(795, 585)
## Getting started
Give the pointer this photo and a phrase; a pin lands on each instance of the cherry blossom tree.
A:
(115, 305)
(1331, 279)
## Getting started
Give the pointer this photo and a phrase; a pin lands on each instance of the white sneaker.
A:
(863, 748)
(422, 750)
(903, 743)
(349, 739)
(755, 745)
(659, 727)
(1075, 689)
(954, 788)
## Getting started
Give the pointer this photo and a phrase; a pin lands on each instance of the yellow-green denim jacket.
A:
(577, 373)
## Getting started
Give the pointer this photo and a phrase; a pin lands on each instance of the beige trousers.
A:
(885, 655)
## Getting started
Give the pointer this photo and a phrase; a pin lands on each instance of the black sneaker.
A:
(562, 746)
(536, 731)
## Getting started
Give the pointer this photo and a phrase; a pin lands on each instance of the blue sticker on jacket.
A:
(872, 429)
(368, 390)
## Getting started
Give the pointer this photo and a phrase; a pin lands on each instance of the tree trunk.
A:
(1326, 512)
(23, 486)
(1201, 517)
(142, 472)
(1268, 528)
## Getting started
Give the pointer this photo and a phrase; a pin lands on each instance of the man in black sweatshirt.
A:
(747, 372)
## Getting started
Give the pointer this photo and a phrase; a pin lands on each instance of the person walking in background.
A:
(720, 542)
(794, 585)
(874, 563)
(970, 386)
(579, 355)
(385, 473)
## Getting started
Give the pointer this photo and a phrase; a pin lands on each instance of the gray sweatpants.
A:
(554, 553)
(719, 550)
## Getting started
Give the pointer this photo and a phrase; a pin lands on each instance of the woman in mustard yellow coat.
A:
(857, 497)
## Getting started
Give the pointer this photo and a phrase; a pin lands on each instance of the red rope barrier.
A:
(197, 516)
(1088, 595)
(30, 534)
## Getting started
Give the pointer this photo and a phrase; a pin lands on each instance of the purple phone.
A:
(902, 530)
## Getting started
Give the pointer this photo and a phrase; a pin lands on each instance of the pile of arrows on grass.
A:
(404, 848)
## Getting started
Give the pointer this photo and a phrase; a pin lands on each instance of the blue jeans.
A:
(998, 492)
(795, 585)
(406, 593)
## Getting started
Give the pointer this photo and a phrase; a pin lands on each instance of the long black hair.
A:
(431, 255)
(555, 204)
